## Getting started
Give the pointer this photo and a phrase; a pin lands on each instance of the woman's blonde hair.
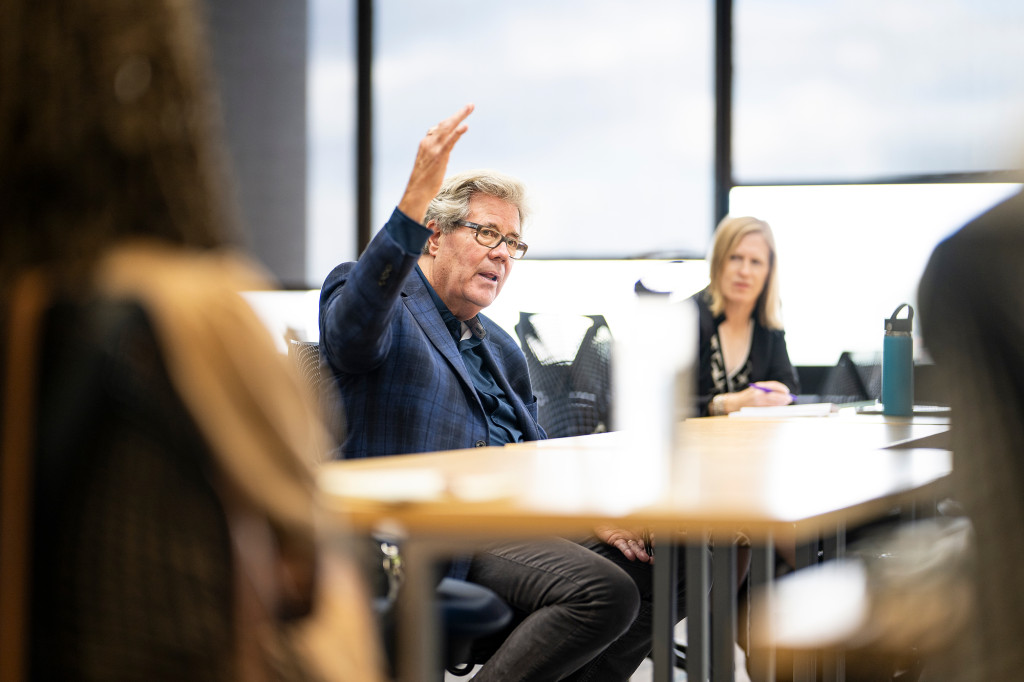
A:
(727, 236)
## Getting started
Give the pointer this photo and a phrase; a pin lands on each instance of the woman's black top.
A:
(768, 359)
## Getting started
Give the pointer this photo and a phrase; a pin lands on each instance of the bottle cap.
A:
(903, 324)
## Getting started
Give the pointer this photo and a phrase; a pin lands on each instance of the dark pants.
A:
(583, 610)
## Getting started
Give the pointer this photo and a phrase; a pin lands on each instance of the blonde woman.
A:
(743, 356)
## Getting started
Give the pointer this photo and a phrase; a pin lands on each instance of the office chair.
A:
(467, 611)
(569, 357)
(849, 381)
(305, 357)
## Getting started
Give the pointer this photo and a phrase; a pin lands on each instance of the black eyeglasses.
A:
(491, 238)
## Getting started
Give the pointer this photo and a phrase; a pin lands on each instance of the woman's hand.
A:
(770, 393)
(758, 394)
(629, 542)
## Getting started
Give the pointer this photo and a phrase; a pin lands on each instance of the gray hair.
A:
(452, 203)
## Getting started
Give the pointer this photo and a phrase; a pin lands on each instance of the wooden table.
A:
(778, 478)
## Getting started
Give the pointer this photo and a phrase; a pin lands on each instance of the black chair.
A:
(849, 381)
(569, 357)
(468, 611)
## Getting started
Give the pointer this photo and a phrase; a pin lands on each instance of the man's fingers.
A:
(629, 542)
(446, 133)
(633, 550)
(452, 124)
(431, 163)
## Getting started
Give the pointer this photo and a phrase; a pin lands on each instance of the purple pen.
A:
(768, 390)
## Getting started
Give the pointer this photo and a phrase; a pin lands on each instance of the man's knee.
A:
(613, 599)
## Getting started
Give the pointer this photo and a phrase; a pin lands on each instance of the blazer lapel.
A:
(423, 310)
(525, 419)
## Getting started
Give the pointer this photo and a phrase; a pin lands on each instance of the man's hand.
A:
(630, 543)
(431, 164)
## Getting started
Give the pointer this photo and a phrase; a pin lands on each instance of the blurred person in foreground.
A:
(743, 355)
(972, 322)
(421, 369)
(166, 467)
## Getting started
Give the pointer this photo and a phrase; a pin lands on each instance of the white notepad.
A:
(794, 410)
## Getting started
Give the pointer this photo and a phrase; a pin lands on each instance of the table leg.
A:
(419, 641)
(834, 547)
(833, 662)
(805, 663)
(723, 609)
(762, 581)
(664, 616)
(698, 581)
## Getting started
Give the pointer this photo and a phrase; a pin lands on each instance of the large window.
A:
(605, 110)
(602, 108)
(331, 233)
(855, 90)
(849, 254)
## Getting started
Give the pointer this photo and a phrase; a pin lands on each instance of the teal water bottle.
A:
(898, 364)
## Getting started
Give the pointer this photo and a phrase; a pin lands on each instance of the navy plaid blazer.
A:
(401, 377)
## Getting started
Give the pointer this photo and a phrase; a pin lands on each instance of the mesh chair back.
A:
(569, 357)
(850, 382)
(305, 355)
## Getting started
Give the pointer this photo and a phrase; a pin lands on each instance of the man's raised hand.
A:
(431, 164)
